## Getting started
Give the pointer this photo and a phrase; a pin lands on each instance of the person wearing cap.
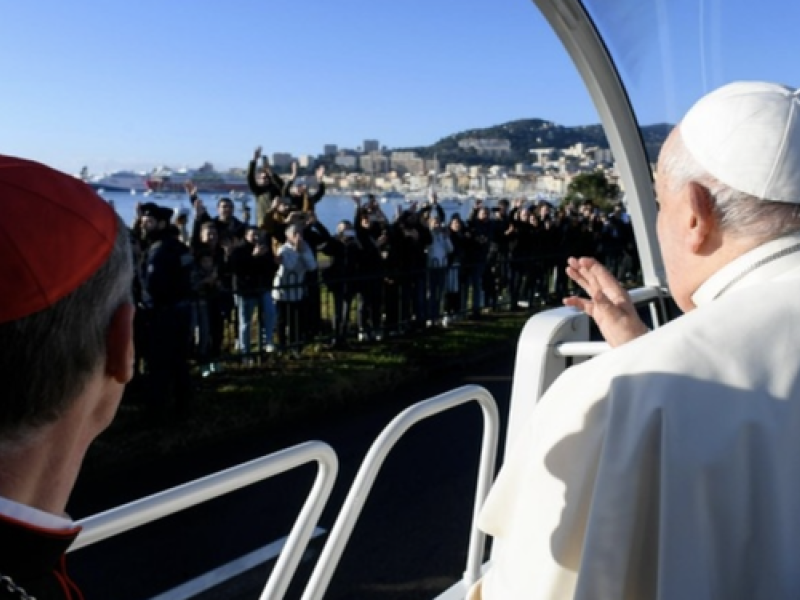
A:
(167, 291)
(66, 354)
(666, 468)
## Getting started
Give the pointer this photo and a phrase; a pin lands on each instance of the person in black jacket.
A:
(343, 277)
(406, 268)
(372, 233)
(228, 226)
(167, 287)
(299, 194)
(66, 354)
(479, 235)
(254, 266)
(264, 184)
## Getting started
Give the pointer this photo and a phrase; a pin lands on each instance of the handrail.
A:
(580, 349)
(134, 514)
(353, 504)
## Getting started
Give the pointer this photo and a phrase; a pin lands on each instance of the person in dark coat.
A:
(228, 226)
(480, 232)
(264, 184)
(66, 354)
(406, 268)
(253, 265)
(167, 287)
(299, 194)
(343, 277)
(373, 237)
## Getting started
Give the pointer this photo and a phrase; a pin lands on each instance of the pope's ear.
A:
(702, 218)
(120, 355)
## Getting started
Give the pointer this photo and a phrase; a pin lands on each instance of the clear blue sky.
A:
(137, 84)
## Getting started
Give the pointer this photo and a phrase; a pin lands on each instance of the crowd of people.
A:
(298, 282)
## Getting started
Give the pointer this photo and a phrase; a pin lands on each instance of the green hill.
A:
(528, 134)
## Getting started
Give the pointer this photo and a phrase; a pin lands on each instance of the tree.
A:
(595, 187)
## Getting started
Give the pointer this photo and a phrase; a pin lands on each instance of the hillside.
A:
(527, 134)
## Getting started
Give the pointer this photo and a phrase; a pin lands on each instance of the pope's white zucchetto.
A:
(747, 135)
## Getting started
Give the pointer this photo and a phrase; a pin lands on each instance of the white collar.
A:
(763, 263)
(34, 516)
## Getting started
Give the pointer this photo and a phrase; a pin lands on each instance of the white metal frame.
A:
(549, 343)
(134, 514)
(351, 509)
(574, 27)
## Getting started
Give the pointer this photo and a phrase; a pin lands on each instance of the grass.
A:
(280, 392)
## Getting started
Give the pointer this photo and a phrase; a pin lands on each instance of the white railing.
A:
(351, 509)
(549, 343)
(134, 514)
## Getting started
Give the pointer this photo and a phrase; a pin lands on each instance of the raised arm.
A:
(317, 196)
(609, 304)
(287, 185)
(251, 173)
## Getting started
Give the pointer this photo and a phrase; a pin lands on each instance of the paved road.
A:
(411, 540)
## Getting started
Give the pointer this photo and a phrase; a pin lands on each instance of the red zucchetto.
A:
(55, 232)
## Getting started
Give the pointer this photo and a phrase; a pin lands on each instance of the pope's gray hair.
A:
(739, 214)
(48, 357)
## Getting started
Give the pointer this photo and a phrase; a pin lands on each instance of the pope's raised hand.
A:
(609, 304)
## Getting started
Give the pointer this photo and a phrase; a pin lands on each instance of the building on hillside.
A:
(447, 183)
(371, 146)
(578, 150)
(486, 147)
(347, 161)
(555, 185)
(419, 181)
(330, 149)
(455, 168)
(374, 163)
(543, 155)
(407, 162)
(603, 156)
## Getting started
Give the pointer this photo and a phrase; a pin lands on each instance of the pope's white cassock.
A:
(668, 468)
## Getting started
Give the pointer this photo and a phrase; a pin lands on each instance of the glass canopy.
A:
(646, 63)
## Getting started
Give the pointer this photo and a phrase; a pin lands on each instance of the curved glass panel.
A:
(671, 52)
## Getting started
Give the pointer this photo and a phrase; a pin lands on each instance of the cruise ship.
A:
(205, 178)
(119, 181)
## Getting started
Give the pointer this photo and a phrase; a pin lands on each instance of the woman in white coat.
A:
(295, 258)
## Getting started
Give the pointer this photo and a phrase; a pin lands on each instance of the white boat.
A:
(119, 181)
(392, 197)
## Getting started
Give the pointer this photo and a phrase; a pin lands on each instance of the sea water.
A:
(330, 210)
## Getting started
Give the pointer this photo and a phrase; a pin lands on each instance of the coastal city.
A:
(375, 169)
